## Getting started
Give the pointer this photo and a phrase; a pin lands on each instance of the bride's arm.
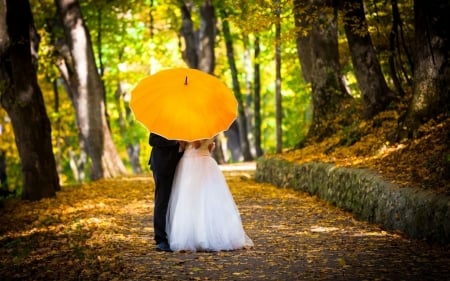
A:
(183, 145)
(211, 145)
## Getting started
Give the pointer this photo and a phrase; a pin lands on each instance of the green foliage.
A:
(132, 39)
(12, 160)
(131, 47)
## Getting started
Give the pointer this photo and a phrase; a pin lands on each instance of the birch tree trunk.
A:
(89, 95)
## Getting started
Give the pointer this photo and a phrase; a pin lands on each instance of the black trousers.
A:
(163, 162)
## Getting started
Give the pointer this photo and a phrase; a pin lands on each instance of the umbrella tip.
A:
(185, 81)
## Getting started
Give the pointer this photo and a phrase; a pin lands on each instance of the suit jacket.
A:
(165, 154)
(158, 141)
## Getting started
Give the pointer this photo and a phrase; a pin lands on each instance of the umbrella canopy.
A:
(184, 104)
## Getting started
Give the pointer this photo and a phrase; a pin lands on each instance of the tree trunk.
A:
(278, 107)
(303, 41)
(375, 93)
(242, 117)
(328, 90)
(395, 51)
(133, 148)
(22, 99)
(431, 91)
(257, 98)
(189, 53)
(77, 162)
(206, 56)
(248, 82)
(199, 48)
(207, 36)
(4, 190)
(89, 95)
(57, 128)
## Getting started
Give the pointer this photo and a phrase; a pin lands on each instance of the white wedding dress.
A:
(202, 214)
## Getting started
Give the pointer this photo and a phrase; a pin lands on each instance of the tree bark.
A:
(77, 161)
(375, 93)
(257, 98)
(207, 58)
(303, 41)
(189, 53)
(199, 46)
(22, 99)
(207, 37)
(329, 94)
(4, 190)
(242, 117)
(431, 91)
(395, 51)
(278, 101)
(89, 95)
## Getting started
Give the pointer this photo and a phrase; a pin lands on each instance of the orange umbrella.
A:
(184, 104)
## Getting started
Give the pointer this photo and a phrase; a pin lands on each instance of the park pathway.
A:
(299, 237)
(296, 237)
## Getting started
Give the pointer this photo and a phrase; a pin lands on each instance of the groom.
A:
(163, 162)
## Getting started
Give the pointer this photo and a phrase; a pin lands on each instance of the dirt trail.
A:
(107, 236)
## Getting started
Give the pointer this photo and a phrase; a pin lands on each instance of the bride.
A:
(202, 215)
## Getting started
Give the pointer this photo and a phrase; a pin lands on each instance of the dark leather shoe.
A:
(163, 246)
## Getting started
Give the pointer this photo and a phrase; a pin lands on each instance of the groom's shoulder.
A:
(157, 140)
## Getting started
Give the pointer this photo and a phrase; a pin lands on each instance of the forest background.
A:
(301, 71)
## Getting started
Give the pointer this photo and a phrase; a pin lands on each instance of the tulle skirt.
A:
(202, 214)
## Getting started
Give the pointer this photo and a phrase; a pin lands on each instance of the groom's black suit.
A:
(163, 162)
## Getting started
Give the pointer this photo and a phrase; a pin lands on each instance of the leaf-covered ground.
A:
(103, 231)
(422, 162)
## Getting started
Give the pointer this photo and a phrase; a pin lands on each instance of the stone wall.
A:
(417, 213)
